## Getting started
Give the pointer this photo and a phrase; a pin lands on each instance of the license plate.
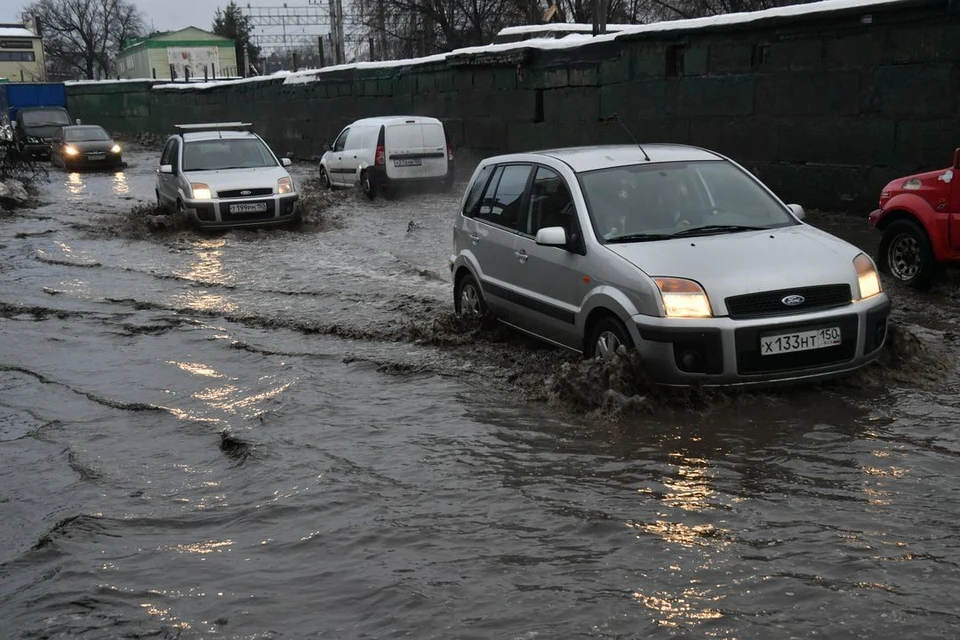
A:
(801, 341)
(407, 162)
(96, 156)
(250, 207)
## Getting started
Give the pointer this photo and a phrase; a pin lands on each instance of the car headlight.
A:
(70, 151)
(683, 298)
(912, 184)
(200, 191)
(285, 185)
(867, 277)
(115, 149)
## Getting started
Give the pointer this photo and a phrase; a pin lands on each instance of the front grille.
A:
(770, 303)
(750, 360)
(244, 193)
(226, 216)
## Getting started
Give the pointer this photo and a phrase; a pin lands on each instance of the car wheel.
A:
(606, 337)
(367, 185)
(905, 253)
(468, 299)
(325, 179)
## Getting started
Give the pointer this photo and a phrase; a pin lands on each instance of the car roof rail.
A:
(213, 126)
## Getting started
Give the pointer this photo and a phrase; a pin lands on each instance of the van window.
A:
(470, 204)
(433, 136)
(342, 140)
(404, 136)
(370, 136)
(501, 203)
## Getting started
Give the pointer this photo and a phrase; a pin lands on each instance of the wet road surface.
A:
(283, 434)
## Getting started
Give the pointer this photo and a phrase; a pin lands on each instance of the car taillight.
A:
(380, 155)
(449, 153)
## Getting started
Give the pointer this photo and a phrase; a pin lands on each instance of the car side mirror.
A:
(956, 158)
(286, 162)
(552, 237)
(797, 211)
(166, 168)
(78, 120)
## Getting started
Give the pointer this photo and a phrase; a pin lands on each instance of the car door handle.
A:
(521, 256)
(474, 238)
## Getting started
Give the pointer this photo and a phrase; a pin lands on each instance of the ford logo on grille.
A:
(792, 301)
(246, 193)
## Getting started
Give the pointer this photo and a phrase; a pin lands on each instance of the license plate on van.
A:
(254, 207)
(407, 162)
(801, 341)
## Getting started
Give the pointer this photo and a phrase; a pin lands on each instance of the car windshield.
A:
(85, 134)
(45, 118)
(226, 153)
(645, 202)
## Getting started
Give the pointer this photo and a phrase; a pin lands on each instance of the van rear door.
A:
(434, 150)
(404, 150)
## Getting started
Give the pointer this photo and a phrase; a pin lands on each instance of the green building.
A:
(190, 50)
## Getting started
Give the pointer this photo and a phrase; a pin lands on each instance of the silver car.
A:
(223, 176)
(673, 250)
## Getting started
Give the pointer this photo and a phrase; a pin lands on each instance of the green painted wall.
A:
(824, 109)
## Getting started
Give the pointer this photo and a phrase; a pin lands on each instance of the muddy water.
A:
(270, 434)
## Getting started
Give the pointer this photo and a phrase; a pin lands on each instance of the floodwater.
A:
(283, 434)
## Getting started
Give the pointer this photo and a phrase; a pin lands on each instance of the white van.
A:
(381, 153)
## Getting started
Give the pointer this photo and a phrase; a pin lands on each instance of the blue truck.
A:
(30, 114)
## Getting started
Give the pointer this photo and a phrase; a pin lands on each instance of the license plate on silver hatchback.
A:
(249, 207)
(407, 162)
(801, 341)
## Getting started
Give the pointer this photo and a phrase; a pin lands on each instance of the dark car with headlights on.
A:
(85, 146)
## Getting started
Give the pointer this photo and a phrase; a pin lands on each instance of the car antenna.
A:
(617, 118)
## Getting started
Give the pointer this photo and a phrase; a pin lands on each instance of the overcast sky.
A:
(163, 15)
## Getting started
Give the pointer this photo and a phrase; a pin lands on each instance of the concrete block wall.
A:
(824, 108)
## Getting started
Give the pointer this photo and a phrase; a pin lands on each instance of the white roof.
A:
(386, 120)
(606, 156)
(189, 136)
(16, 32)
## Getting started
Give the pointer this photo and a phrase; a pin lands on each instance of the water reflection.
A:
(684, 610)
(76, 186)
(120, 186)
(207, 268)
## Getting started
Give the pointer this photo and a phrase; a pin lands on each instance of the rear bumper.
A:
(726, 352)
(379, 177)
(216, 214)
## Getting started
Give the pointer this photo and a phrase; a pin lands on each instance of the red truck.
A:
(919, 217)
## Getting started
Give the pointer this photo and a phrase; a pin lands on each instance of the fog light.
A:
(690, 361)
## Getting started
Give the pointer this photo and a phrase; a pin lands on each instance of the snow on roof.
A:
(16, 32)
(197, 84)
(558, 27)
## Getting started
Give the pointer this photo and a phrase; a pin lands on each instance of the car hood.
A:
(748, 262)
(228, 179)
(92, 145)
(45, 133)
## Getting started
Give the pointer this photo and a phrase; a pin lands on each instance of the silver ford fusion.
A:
(673, 250)
(223, 176)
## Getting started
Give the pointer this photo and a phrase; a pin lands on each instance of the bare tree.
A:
(83, 37)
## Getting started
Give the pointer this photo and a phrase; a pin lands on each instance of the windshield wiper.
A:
(639, 237)
(711, 229)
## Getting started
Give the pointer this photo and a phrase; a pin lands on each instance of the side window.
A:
(473, 198)
(503, 198)
(550, 204)
(341, 141)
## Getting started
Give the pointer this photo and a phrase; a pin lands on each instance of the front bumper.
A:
(216, 213)
(726, 352)
(874, 217)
